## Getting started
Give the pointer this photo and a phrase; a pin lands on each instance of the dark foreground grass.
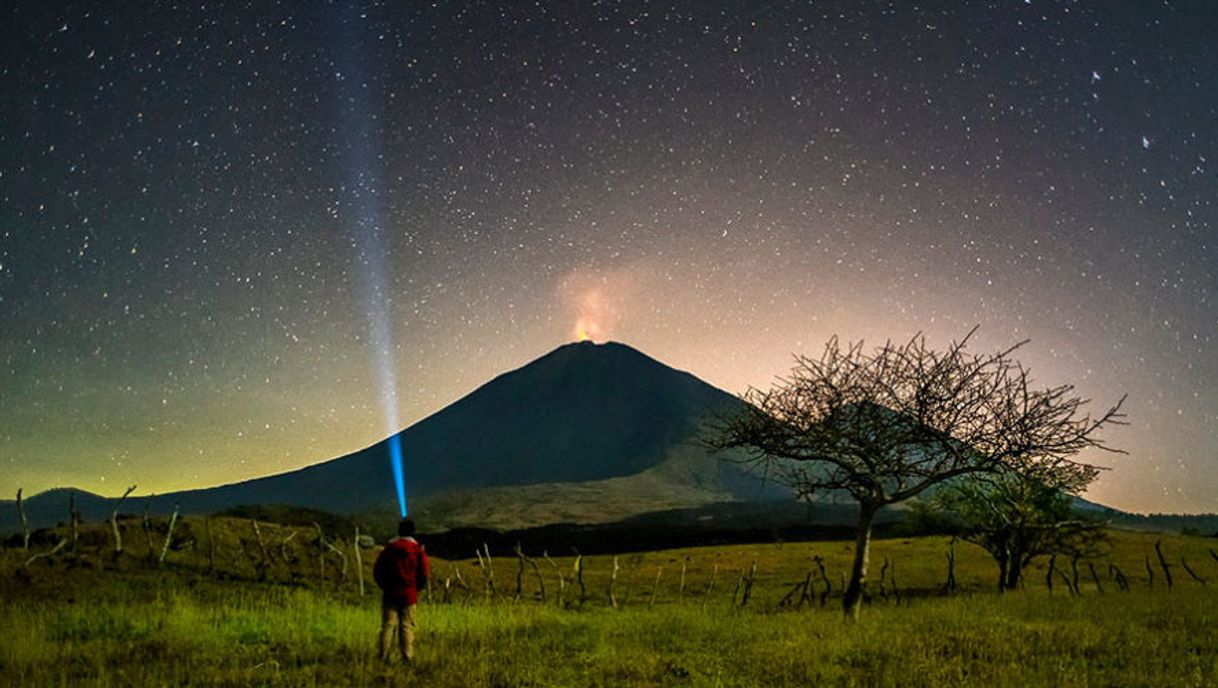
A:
(97, 619)
(241, 634)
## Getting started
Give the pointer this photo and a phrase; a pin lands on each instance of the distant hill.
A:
(588, 432)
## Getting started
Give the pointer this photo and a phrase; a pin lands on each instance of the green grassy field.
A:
(93, 621)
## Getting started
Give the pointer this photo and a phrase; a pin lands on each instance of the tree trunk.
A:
(1004, 568)
(852, 601)
(1014, 573)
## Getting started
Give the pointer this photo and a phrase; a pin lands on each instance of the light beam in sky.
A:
(366, 218)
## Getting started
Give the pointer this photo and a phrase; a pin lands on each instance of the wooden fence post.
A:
(579, 578)
(25, 523)
(519, 573)
(710, 586)
(359, 565)
(118, 536)
(168, 536)
(146, 523)
(612, 580)
(748, 585)
(562, 584)
(211, 546)
(820, 565)
(321, 553)
(1192, 574)
(1095, 577)
(264, 568)
(949, 587)
(655, 588)
(490, 569)
(73, 521)
(1163, 563)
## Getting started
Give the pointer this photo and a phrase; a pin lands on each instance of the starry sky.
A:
(240, 238)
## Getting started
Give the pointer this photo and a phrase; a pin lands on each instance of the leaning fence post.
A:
(118, 536)
(1189, 570)
(168, 536)
(265, 568)
(655, 588)
(710, 586)
(1095, 577)
(1163, 564)
(748, 585)
(490, 569)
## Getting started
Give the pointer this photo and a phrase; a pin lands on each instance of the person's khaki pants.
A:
(399, 620)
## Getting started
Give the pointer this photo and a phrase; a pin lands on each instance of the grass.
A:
(128, 624)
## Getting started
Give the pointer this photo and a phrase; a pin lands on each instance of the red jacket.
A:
(401, 569)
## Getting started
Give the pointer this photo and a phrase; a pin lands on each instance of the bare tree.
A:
(1017, 517)
(885, 425)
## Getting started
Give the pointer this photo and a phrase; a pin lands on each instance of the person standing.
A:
(401, 570)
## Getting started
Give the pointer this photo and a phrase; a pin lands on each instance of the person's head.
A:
(405, 527)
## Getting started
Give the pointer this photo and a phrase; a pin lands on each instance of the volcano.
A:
(588, 432)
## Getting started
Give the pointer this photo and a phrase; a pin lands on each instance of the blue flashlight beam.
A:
(395, 458)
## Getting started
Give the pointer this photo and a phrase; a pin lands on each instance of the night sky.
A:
(240, 239)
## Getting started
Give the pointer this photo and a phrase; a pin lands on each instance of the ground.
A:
(93, 621)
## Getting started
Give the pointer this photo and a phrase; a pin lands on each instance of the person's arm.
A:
(424, 567)
(380, 570)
